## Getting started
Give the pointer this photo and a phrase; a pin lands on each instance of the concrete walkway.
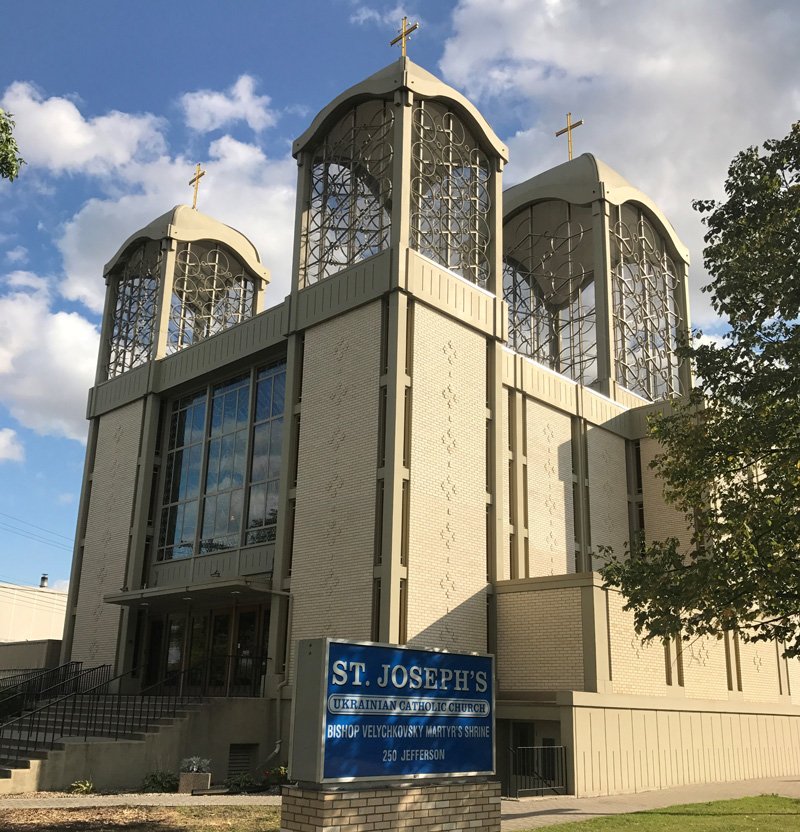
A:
(526, 813)
(537, 812)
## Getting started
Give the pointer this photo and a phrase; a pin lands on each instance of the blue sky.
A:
(116, 101)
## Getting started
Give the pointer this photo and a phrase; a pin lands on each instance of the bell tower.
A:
(397, 314)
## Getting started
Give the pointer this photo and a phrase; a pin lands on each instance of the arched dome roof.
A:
(581, 181)
(402, 74)
(188, 225)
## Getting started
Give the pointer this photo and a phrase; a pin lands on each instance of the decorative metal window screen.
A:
(135, 309)
(223, 468)
(647, 318)
(349, 211)
(449, 193)
(548, 283)
(210, 293)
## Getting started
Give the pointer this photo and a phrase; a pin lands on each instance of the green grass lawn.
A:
(768, 813)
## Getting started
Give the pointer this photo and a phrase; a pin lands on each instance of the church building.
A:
(427, 442)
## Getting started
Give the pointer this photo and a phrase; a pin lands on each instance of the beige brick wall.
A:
(619, 750)
(539, 640)
(333, 553)
(107, 534)
(636, 668)
(551, 536)
(759, 664)
(705, 669)
(660, 520)
(447, 539)
(457, 806)
(608, 490)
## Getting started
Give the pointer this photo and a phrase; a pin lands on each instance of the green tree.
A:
(10, 160)
(730, 458)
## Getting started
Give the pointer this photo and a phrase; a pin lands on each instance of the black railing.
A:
(17, 675)
(91, 709)
(46, 684)
(90, 712)
(540, 769)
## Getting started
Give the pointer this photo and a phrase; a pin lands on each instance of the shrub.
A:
(276, 776)
(242, 782)
(82, 787)
(160, 781)
(196, 764)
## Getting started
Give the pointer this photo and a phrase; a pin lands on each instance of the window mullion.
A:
(201, 496)
(248, 465)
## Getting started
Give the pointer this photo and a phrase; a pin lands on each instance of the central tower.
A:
(397, 317)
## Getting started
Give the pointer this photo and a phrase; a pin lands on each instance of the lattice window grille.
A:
(450, 202)
(646, 316)
(210, 293)
(548, 284)
(135, 309)
(349, 210)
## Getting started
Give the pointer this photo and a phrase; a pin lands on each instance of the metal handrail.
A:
(14, 699)
(95, 711)
(22, 676)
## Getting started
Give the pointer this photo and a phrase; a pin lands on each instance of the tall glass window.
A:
(267, 443)
(647, 317)
(227, 466)
(222, 466)
(449, 193)
(135, 303)
(182, 484)
(349, 206)
(548, 283)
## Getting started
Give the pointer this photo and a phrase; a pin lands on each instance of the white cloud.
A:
(669, 93)
(367, 14)
(18, 254)
(47, 359)
(11, 449)
(66, 498)
(207, 110)
(53, 134)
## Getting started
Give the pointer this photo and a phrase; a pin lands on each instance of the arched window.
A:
(349, 210)
(136, 299)
(449, 194)
(210, 293)
(646, 313)
(548, 284)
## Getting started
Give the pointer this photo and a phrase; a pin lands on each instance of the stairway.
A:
(65, 723)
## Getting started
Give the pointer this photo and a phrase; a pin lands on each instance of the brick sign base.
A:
(423, 808)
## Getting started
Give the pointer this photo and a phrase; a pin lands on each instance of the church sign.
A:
(388, 712)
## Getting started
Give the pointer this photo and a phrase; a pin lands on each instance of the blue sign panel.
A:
(396, 712)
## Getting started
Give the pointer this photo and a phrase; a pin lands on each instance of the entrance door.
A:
(219, 654)
(247, 663)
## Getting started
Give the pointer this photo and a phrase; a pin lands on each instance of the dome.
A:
(189, 225)
(581, 181)
(402, 74)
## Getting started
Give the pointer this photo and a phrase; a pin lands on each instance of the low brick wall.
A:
(423, 808)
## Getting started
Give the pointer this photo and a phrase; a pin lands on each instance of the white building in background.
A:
(31, 613)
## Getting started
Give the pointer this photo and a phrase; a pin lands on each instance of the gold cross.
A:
(405, 31)
(195, 180)
(568, 130)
